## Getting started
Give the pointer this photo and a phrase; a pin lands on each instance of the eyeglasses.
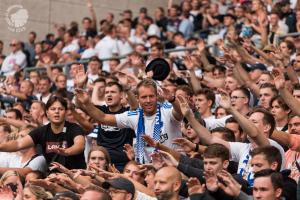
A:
(236, 97)
(12, 44)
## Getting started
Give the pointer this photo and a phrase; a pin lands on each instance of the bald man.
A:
(167, 183)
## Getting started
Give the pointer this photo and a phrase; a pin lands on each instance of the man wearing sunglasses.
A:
(15, 61)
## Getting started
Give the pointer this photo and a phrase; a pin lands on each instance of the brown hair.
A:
(103, 150)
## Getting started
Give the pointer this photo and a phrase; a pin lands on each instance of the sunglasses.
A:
(12, 44)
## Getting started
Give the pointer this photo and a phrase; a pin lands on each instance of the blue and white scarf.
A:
(141, 131)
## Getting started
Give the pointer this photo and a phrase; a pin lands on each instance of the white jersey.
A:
(170, 129)
(240, 152)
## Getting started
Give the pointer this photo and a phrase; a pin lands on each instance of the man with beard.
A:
(167, 183)
(292, 140)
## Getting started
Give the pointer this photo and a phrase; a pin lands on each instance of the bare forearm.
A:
(15, 122)
(19, 95)
(290, 100)
(241, 72)
(263, 55)
(246, 57)
(249, 128)
(75, 149)
(281, 137)
(264, 36)
(94, 18)
(202, 132)
(206, 65)
(237, 76)
(174, 153)
(84, 123)
(292, 75)
(217, 83)
(94, 112)
(11, 146)
(83, 180)
(196, 84)
(176, 110)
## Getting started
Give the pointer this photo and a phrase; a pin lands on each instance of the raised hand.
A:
(150, 141)
(82, 96)
(195, 187)
(80, 78)
(186, 145)
(123, 79)
(189, 63)
(136, 60)
(166, 94)
(184, 106)
(48, 185)
(112, 168)
(211, 181)
(168, 158)
(279, 79)
(128, 149)
(225, 101)
(59, 167)
(228, 184)
(157, 160)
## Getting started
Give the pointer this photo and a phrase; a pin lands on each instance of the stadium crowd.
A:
(105, 113)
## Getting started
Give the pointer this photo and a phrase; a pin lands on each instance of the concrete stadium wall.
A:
(44, 13)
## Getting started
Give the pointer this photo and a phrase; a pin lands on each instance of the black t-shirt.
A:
(45, 137)
(114, 138)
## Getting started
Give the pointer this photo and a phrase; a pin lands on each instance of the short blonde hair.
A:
(39, 192)
(7, 174)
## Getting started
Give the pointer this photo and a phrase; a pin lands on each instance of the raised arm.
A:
(281, 137)
(289, 99)
(203, 133)
(248, 127)
(190, 65)
(84, 123)
(124, 81)
(263, 55)
(246, 57)
(14, 122)
(160, 146)
(93, 14)
(292, 74)
(241, 72)
(16, 145)
(101, 117)
(176, 111)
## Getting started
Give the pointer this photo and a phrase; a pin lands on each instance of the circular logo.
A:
(16, 17)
